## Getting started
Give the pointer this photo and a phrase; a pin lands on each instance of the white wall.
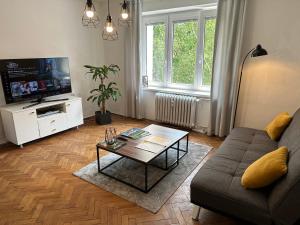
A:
(49, 28)
(271, 84)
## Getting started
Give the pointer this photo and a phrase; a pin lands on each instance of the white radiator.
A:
(176, 109)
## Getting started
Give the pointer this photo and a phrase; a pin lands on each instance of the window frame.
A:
(169, 19)
(206, 15)
(152, 20)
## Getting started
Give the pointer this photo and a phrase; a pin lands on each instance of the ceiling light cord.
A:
(108, 7)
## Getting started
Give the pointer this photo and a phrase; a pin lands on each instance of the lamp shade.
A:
(110, 32)
(90, 17)
(259, 51)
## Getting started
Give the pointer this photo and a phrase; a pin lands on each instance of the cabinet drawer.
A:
(52, 124)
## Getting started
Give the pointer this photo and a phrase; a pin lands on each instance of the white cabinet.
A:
(25, 125)
(74, 113)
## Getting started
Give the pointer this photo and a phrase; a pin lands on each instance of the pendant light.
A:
(90, 17)
(110, 32)
(124, 10)
(124, 19)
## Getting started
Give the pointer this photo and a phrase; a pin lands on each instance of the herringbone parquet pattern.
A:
(37, 185)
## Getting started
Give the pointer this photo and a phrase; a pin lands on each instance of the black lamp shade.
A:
(259, 51)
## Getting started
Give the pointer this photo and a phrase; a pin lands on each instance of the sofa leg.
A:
(196, 212)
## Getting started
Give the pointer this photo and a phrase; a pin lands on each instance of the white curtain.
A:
(133, 87)
(229, 35)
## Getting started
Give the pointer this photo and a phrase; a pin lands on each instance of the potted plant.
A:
(104, 91)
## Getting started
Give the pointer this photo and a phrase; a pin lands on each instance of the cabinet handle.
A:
(52, 121)
(53, 130)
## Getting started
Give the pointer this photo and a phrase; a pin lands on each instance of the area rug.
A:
(133, 172)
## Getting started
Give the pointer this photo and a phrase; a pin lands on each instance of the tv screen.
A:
(24, 79)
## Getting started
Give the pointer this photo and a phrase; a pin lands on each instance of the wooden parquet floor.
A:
(37, 185)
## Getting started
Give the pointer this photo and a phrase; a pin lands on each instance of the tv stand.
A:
(43, 100)
(22, 125)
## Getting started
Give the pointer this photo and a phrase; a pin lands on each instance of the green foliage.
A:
(184, 51)
(159, 34)
(103, 92)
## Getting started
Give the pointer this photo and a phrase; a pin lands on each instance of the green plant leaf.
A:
(94, 98)
(94, 90)
(104, 91)
(90, 97)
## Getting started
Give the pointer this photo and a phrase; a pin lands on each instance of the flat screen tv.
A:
(25, 79)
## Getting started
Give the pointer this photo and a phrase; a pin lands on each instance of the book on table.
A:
(135, 133)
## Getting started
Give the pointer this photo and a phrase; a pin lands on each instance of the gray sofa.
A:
(217, 185)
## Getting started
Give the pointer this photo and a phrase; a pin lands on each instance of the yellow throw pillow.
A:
(278, 125)
(266, 169)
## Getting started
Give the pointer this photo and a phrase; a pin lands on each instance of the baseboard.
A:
(202, 130)
(92, 115)
(88, 116)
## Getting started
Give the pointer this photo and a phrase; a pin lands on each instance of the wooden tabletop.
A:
(131, 151)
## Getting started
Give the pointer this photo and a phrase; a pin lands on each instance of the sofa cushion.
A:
(266, 170)
(284, 200)
(277, 126)
(217, 185)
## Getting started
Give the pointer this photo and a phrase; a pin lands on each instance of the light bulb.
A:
(124, 10)
(124, 15)
(90, 13)
(109, 29)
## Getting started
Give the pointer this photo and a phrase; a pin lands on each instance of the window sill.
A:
(200, 94)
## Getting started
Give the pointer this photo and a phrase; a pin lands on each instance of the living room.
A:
(208, 87)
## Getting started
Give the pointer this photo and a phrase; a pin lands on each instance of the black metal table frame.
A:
(167, 167)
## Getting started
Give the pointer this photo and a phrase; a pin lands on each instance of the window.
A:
(156, 34)
(178, 49)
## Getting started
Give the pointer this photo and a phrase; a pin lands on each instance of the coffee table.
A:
(145, 157)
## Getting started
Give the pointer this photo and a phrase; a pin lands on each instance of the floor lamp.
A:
(255, 52)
